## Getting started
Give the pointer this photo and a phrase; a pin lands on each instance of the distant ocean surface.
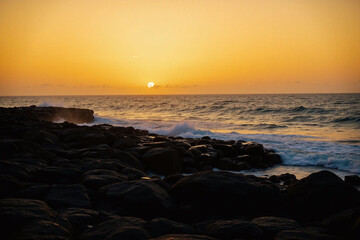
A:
(307, 130)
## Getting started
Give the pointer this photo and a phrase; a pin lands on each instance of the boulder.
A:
(183, 237)
(15, 213)
(101, 177)
(346, 223)
(119, 228)
(273, 225)
(141, 198)
(80, 219)
(301, 234)
(232, 194)
(162, 226)
(162, 160)
(73, 195)
(321, 194)
(234, 229)
(61, 175)
(353, 180)
(43, 230)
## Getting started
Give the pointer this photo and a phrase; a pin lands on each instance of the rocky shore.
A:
(62, 181)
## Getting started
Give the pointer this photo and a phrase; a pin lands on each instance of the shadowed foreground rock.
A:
(61, 181)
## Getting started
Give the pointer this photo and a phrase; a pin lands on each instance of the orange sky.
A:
(184, 47)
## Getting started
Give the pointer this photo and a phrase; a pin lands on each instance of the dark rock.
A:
(300, 234)
(227, 150)
(34, 191)
(183, 237)
(171, 179)
(321, 194)
(273, 225)
(15, 213)
(80, 219)
(74, 195)
(162, 160)
(231, 193)
(274, 179)
(139, 198)
(225, 164)
(162, 226)
(124, 143)
(129, 159)
(101, 177)
(56, 175)
(287, 176)
(254, 161)
(14, 169)
(119, 228)
(272, 159)
(42, 230)
(254, 149)
(353, 180)
(234, 229)
(160, 139)
(344, 223)
(9, 185)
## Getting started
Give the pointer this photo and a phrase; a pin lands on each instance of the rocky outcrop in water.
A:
(64, 181)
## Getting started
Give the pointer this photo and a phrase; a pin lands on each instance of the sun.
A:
(150, 84)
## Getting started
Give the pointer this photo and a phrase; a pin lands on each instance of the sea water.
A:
(309, 131)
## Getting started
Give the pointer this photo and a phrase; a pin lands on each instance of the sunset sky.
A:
(184, 47)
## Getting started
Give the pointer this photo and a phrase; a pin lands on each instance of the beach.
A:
(81, 181)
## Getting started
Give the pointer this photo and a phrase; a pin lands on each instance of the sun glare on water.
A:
(150, 84)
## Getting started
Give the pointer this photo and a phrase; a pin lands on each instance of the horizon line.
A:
(178, 94)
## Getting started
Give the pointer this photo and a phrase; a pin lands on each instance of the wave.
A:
(50, 104)
(295, 150)
(346, 120)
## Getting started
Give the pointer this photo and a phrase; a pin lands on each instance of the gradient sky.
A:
(184, 47)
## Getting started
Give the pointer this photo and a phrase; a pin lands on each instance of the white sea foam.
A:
(50, 104)
(295, 150)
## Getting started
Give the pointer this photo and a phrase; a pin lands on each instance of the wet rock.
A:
(353, 180)
(321, 194)
(59, 175)
(345, 223)
(300, 234)
(73, 195)
(101, 177)
(162, 226)
(234, 229)
(124, 143)
(254, 161)
(9, 185)
(183, 237)
(162, 161)
(119, 228)
(15, 213)
(254, 149)
(171, 179)
(232, 194)
(273, 225)
(227, 150)
(34, 191)
(129, 159)
(42, 230)
(80, 219)
(139, 198)
(14, 169)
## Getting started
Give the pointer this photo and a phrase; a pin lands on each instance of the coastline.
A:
(63, 170)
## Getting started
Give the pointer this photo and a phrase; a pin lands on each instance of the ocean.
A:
(309, 131)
